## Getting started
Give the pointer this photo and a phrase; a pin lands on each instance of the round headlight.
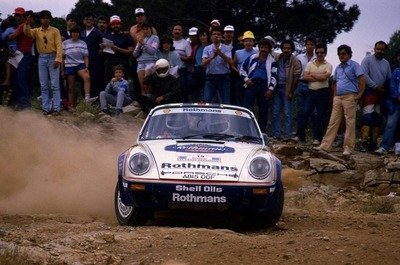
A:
(259, 168)
(139, 164)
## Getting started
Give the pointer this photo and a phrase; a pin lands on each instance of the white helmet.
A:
(162, 68)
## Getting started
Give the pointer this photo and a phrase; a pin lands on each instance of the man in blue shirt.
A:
(217, 58)
(348, 86)
(259, 74)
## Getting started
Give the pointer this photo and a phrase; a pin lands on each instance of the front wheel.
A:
(128, 215)
(272, 216)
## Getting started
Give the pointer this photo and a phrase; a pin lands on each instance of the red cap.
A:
(19, 11)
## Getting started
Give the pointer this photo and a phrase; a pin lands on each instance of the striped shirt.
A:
(74, 52)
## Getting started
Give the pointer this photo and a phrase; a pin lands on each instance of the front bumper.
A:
(159, 196)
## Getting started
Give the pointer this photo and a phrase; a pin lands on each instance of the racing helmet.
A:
(162, 68)
(221, 125)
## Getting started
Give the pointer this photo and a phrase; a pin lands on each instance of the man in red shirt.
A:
(21, 77)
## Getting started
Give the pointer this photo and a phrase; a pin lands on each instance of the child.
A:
(116, 92)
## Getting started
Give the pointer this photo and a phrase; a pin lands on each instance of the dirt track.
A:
(56, 206)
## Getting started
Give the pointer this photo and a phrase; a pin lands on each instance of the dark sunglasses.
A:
(342, 53)
(45, 39)
(139, 15)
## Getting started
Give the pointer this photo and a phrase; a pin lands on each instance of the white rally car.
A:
(199, 156)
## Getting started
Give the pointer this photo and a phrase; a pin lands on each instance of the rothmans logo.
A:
(197, 166)
(199, 148)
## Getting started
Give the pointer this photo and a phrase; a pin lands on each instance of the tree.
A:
(282, 19)
(393, 47)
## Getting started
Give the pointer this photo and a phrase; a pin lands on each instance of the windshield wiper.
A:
(248, 138)
(216, 136)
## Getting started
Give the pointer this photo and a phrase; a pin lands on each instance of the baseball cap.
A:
(139, 10)
(215, 21)
(229, 28)
(193, 31)
(19, 11)
(115, 19)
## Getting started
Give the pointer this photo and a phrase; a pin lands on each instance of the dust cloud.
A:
(49, 166)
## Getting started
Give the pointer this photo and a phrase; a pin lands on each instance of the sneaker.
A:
(318, 148)
(136, 104)
(56, 113)
(316, 142)
(118, 112)
(346, 152)
(45, 113)
(364, 147)
(296, 139)
(381, 151)
(104, 112)
(90, 101)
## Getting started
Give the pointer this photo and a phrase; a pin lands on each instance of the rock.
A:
(340, 179)
(287, 150)
(370, 178)
(86, 115)
(393, 166)
(131, 109)
(396, 177)
(324, 165)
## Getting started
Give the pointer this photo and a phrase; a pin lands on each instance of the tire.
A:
(270, 218)
(128, 215)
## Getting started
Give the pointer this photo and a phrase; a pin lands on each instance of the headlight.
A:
(139, 164)
(259, 168)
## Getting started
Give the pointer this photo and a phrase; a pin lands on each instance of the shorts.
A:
(71, 70)
(144, 66)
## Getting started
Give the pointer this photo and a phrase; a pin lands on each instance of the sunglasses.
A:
(45, 39)
(139, 15)
(342, 53)
(320, 53)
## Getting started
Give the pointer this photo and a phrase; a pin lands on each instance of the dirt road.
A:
(56, 207)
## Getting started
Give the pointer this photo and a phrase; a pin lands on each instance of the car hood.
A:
(191, 160)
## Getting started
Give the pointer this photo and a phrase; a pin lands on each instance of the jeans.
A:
(217, 84)
(257, 93)
(184, 80)
(120, 100)
(22, 78)
(391, 124)
(317, 99)
(301, 95)
(280, 100)
(46, 70)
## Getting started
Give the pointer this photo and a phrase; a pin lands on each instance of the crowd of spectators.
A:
(211, 64)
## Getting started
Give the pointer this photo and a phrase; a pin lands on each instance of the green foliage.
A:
(281, 19)
(393, 47)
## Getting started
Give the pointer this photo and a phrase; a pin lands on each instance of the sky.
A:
(378, 21)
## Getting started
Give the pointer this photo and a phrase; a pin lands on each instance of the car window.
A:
(197, 125)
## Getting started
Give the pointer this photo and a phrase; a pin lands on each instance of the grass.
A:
(12, 257)
(379, 205)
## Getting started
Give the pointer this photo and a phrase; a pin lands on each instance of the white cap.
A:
(271, 39)
(193, 31)
(229, 28)
(215, 21)
(139, 10)
(115, 19)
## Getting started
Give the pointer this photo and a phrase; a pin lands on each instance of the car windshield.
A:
(227, 125)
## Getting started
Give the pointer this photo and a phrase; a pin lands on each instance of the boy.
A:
(116, 92)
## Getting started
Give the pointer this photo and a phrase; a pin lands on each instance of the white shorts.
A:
(144, 66)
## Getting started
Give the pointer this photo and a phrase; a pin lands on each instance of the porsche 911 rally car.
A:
(199, 156)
